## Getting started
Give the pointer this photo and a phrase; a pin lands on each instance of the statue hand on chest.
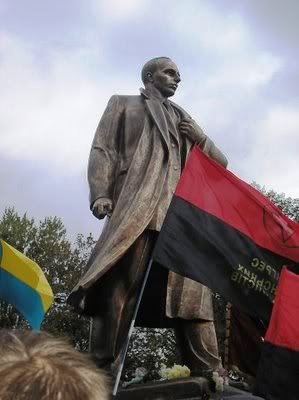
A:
(190, 128)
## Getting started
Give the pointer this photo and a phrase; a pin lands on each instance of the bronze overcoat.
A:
(128, 164)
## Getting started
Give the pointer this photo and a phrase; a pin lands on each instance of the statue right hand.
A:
(102, 207)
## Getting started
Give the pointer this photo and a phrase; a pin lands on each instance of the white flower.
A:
(177, 371)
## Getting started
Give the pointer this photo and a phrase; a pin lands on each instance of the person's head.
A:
(163, 74)
(38, 366)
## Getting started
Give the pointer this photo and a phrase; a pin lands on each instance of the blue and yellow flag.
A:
(23, 284)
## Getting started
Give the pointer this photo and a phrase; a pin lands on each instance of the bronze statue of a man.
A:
(138, 153)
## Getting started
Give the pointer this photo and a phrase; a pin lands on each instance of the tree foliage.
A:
(288, 205)
(151, 348)
(46, 243)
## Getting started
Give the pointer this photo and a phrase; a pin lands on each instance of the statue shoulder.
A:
(118, 103)
(124, 101)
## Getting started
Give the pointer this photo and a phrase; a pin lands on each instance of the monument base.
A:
(193, 388)
(175, 389)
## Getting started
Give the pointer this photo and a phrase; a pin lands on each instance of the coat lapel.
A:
(171, 125)
(154, 109)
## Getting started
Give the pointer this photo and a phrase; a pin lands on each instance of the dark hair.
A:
(151, 66)
(38, 366)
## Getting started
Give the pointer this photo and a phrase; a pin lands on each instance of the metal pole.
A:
(126, 344)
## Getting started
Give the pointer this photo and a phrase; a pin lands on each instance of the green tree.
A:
(46, 243)
(288, 205)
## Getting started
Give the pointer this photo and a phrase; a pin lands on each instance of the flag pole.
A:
(126, 344)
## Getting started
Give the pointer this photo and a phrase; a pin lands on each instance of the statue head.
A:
(162, 74)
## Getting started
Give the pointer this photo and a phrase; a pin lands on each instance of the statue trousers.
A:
(115, 298)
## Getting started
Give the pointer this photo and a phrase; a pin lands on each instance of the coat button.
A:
(175, 167)
(172, 145)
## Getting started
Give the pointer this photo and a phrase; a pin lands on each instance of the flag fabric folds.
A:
(24, 285)
(225, 234)
(277, 375)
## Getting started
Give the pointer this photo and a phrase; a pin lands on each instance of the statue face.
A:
(166, 78)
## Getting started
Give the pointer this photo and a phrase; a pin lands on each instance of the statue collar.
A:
(150, 96)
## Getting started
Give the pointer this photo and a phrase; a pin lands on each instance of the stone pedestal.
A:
(194, 388)
(176, 389)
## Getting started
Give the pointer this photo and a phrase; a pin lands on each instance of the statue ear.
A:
(149, 77)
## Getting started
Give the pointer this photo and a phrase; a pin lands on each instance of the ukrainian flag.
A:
(23, 284)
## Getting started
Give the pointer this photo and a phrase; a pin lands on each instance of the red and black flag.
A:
(223, 233)
(277, 376)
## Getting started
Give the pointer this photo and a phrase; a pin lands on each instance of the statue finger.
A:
(184, 131)
(183, 123)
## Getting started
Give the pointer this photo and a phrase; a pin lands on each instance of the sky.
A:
(60, 61)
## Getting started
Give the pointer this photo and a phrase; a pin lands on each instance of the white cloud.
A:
(229, 69)
(228, 95)
(118, 9)
(273, 158)
(201, 24)
(49, 113)
(246, 72)
(2, 5)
